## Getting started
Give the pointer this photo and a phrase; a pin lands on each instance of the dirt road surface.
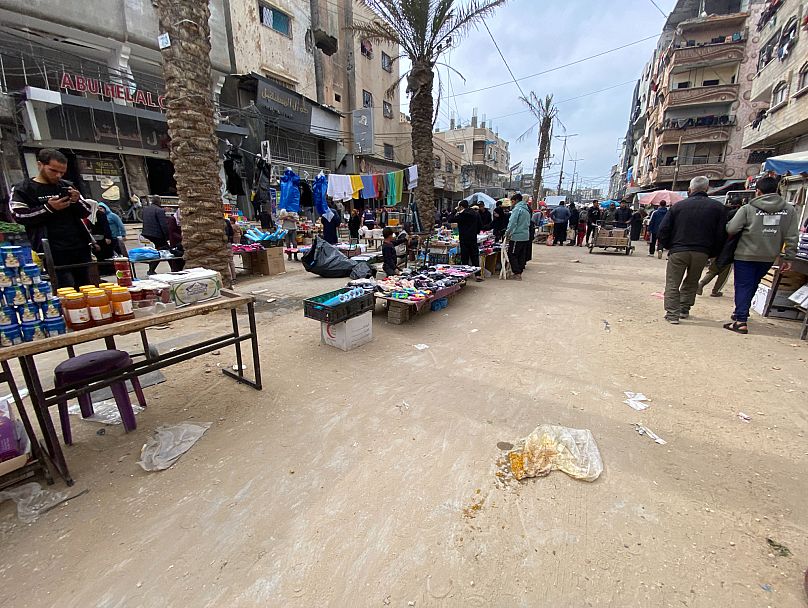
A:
(367, 478)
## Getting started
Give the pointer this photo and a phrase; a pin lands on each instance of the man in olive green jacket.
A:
(764, 226)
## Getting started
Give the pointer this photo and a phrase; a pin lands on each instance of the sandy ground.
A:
(367, 478)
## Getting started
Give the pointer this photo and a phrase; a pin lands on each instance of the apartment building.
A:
(780, 82)
(448, 165)
(690, 120)
(486, 158)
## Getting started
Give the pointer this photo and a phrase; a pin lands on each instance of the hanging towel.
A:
(413, 174)
(378, 183)
(399, 178)
(368, 188)
(339, 187)
(390, 187)
(290, 192)
(318, 191)
(356, 186)
(406, 181)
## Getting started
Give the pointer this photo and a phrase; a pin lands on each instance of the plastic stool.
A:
(84, 367)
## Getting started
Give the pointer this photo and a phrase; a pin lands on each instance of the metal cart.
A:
(608, 236)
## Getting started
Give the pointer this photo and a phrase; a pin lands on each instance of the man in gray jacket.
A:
(765, 224)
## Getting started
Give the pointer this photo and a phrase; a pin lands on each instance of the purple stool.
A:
(84, 367)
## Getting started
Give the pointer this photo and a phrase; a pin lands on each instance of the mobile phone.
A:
(64, 192)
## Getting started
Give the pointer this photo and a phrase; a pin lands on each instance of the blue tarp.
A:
(788, 164)
(605, 204)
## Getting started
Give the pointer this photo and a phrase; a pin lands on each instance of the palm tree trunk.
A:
(544, 148)
(421, 113)
(191, 127)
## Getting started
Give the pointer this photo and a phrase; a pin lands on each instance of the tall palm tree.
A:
(423, 30)
(191, 127)
(545, 112)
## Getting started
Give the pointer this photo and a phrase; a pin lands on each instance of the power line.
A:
(661, 12)
(505, 61)
(560, 67)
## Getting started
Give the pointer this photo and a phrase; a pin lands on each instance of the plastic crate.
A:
(313, 308)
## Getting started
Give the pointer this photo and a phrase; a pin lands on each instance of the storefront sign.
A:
(292, 109)
(112, 90)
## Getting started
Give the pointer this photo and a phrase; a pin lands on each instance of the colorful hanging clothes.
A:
(356, 185)
(290, 192)
(412, 172)
(318, 191)
(390, 187)
(398, 176)
(368, 187)
(378, 183)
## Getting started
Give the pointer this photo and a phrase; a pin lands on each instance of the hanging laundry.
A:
(406, 181)
(234, 172)
(321, 183)
(390, 187)
(399, 178)
(339, 187)
(412, 172)
(306, 197)
(368, 188)
(356, 185)
(290, 191)
(259, 194)
(378, 183)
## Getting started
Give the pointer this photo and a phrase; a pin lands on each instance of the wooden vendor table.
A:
(797, 265)
(400, 311)
(42, 399)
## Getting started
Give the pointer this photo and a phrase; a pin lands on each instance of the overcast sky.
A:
(535, 35)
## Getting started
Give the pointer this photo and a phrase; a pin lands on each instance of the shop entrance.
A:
(160, 173)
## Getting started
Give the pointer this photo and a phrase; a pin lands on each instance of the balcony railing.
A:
(724, 52)
(712, 120)
(712, 170)
(721, 93)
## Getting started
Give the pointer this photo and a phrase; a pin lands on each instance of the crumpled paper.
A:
(168, 443)
(549, 448)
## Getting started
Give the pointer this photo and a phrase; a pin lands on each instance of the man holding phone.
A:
(50, 207)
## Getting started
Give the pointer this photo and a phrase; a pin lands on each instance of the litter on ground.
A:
(550, 447)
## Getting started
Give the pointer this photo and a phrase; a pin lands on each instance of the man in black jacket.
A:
(468, 227)
(693, 231)
(592, 219)
(50, 207)
(155, 227)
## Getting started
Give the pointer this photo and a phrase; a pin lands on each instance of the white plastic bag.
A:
(168, 443)
(550, 448)
(32, 500)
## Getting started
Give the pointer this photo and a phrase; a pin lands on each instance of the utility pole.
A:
(574, 173)
(563, 153)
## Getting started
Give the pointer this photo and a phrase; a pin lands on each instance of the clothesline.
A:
(389, 186)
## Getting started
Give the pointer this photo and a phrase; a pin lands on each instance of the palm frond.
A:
(448, 67)
(522, 137)
(390, 93)
(460, 21)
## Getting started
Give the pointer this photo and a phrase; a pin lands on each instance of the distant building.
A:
(485, 154)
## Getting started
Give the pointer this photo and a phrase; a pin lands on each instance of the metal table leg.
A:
(52, 446)
(254, 344)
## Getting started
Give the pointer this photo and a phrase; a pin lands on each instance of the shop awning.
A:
(787, 164)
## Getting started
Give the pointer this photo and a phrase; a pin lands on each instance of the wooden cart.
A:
(607, 236)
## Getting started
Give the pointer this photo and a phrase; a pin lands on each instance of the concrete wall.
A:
(133, 22)
(260, 49)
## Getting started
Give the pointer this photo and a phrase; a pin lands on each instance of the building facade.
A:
(694, 97)
(780, 82)
(486, 158)
(94, 89)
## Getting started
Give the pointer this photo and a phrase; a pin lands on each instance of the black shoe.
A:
(684, 314)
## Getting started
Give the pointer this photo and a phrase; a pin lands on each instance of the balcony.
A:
(693, 96)
(788, 122)
(713, 171)
(696, 129)
(709, 54)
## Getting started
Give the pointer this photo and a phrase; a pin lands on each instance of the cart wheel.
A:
(628, 250)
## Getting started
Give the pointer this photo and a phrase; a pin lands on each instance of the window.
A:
(449, 166)
(389, 152)
(367, 48)
(367, 99)
(275, 19)
(461, 147)
(387, 109)
(437, 162)
(802, 78)
(768, 51)
(779, 95)
(387, 62)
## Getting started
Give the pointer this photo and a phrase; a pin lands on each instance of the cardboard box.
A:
(800, 297)
(349, 334)
(267, 263)
(192, 285)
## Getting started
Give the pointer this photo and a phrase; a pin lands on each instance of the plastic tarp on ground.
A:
(787, 164)
(325, 260)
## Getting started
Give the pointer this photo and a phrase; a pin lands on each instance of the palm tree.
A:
(545, 112)
(423, 30)
(191, 127)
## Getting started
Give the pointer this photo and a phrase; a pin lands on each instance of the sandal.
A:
(737, 327)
